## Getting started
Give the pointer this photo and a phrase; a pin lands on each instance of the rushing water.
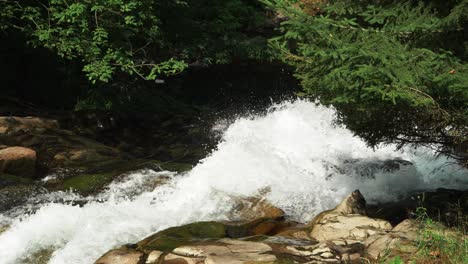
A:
(308, 163)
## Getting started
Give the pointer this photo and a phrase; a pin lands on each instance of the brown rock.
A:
(298, 231)
(347, 220)
(14, 124)
(251, 208)
(352, 204)
(18, 161)
(176, 259)
(153, 257)
(121, 256)
(408, 228)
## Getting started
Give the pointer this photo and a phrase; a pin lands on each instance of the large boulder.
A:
(18, 161)
(254, 207)
(347, 221)
(173, 237)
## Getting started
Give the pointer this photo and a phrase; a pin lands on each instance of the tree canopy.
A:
(143, 37)
(395, 70)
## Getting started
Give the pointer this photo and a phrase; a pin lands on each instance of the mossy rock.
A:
(257, 227)
(177, 167)
(178, 151)
(8, 180)
(174, 237)
(3, 228)
(88, 183)
(15, 195)
(42, 256)
(93, 179)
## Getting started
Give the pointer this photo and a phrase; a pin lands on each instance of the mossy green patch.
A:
(171, 238)
(178, 151)
(88, 183)
(7, 180)
(4, 228)
(177, 167)
(40, 257)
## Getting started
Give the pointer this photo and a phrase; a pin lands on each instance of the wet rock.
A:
(224, 251)
(369, 168)
(153, 257)
(352, 204)
(262, 226)
(176, 259)
(121, 256)
(12, 124)
(15, 195)
(174, 237)
(341, 235)
(297, 231)
(250, 208)
(177, 236)
(18, 161)
(9, 180)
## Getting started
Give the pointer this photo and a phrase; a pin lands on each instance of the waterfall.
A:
(295, 149)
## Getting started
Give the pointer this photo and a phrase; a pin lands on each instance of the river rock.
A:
(56, 147)
(251, 208)
(399, 242)
(121, 256)
(18, 161)
(341, 235)
(12, 124)
(347, 221)
(243, 251)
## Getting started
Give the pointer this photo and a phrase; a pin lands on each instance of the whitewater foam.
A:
(308, 163)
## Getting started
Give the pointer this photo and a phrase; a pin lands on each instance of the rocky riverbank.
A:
(44, 154)
(345, 234)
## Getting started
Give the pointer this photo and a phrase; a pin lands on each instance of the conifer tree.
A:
(395, 70)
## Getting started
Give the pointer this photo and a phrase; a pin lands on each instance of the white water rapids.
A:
(294, 149)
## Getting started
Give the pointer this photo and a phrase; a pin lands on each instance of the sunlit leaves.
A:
(384, 58)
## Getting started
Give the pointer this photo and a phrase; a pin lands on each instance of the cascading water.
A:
(308, 163)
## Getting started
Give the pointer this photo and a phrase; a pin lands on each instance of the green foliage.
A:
(396, 260)
(395, 70)
(439, 244)
(150, 39)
